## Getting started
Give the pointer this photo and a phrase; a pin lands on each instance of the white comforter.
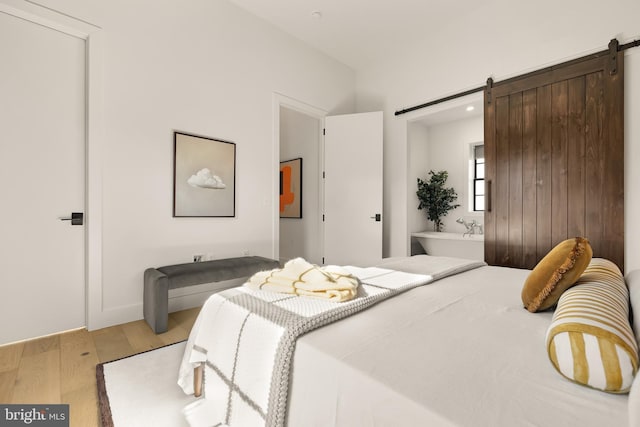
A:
(246, 340)
(459, 352)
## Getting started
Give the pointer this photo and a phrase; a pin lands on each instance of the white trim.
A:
(419, 116)
(95, 143)
(470, 168)
(49, 18)
(93, 37)
(280, 100)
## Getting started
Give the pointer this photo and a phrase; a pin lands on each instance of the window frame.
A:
(473, 178)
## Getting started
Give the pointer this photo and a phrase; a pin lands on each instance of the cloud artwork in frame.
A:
(204, 176)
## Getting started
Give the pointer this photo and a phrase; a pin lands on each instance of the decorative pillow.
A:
(555, 273)
(590, 340)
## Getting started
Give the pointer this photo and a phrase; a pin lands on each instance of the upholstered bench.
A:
(158, 281)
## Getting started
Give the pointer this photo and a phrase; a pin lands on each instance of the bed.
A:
(452, 346)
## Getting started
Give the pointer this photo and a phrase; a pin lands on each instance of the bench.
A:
(158, 281)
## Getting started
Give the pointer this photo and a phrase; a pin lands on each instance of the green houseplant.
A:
(436, 198)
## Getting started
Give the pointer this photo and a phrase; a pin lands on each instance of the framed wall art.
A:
(204, 176)
(291, 188)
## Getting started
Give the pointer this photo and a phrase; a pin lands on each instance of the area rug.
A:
(142, 390)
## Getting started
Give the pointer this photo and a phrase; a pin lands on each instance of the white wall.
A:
(515, 38)
(418, 167)
(631, 160)
(300, 137)
(198, 66)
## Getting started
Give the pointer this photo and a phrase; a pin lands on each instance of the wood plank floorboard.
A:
(83, 409)
(78, 360)
(38, 379)
(174, 333)
(7, 383)
(186, 318)
(111, 343)
(139, 338)
(10, 356)
(61, 368)
(41, 345)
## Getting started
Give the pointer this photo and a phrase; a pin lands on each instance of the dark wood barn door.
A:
(554, 150)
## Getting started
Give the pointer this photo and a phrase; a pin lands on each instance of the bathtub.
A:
(451, 244)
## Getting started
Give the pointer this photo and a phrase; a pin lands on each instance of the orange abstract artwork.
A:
(291, 189)
(286, 195)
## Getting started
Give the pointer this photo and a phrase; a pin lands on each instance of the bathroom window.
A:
(477, 154)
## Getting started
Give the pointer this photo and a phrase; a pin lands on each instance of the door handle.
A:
(77, 218)
(378, 217)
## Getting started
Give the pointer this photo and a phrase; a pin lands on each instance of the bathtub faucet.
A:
(470, 226)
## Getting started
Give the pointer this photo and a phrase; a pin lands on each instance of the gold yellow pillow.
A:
(555, 273)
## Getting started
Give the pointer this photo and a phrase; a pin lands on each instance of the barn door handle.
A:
(77, 218)
(489, 196)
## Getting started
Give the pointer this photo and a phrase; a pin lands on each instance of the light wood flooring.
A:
(62, 368)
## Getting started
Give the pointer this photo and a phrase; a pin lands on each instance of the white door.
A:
(42, 160)
(353, 189)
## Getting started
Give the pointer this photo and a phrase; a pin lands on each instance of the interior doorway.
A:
(442, 137)
(299, 136)
(43, 179)
(95, 315)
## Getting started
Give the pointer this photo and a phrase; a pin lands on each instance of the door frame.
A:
(420, 116)
(94, 111)
(280, 100)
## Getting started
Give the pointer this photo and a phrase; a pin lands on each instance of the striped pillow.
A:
(590, 340)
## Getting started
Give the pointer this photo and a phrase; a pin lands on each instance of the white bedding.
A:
(459, 352)
(246, 339)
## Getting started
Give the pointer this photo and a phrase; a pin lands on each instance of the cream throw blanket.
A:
(299, 277)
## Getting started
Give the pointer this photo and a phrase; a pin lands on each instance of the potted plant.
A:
(436, 198)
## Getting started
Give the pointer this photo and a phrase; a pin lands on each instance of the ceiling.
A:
(361, 32)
